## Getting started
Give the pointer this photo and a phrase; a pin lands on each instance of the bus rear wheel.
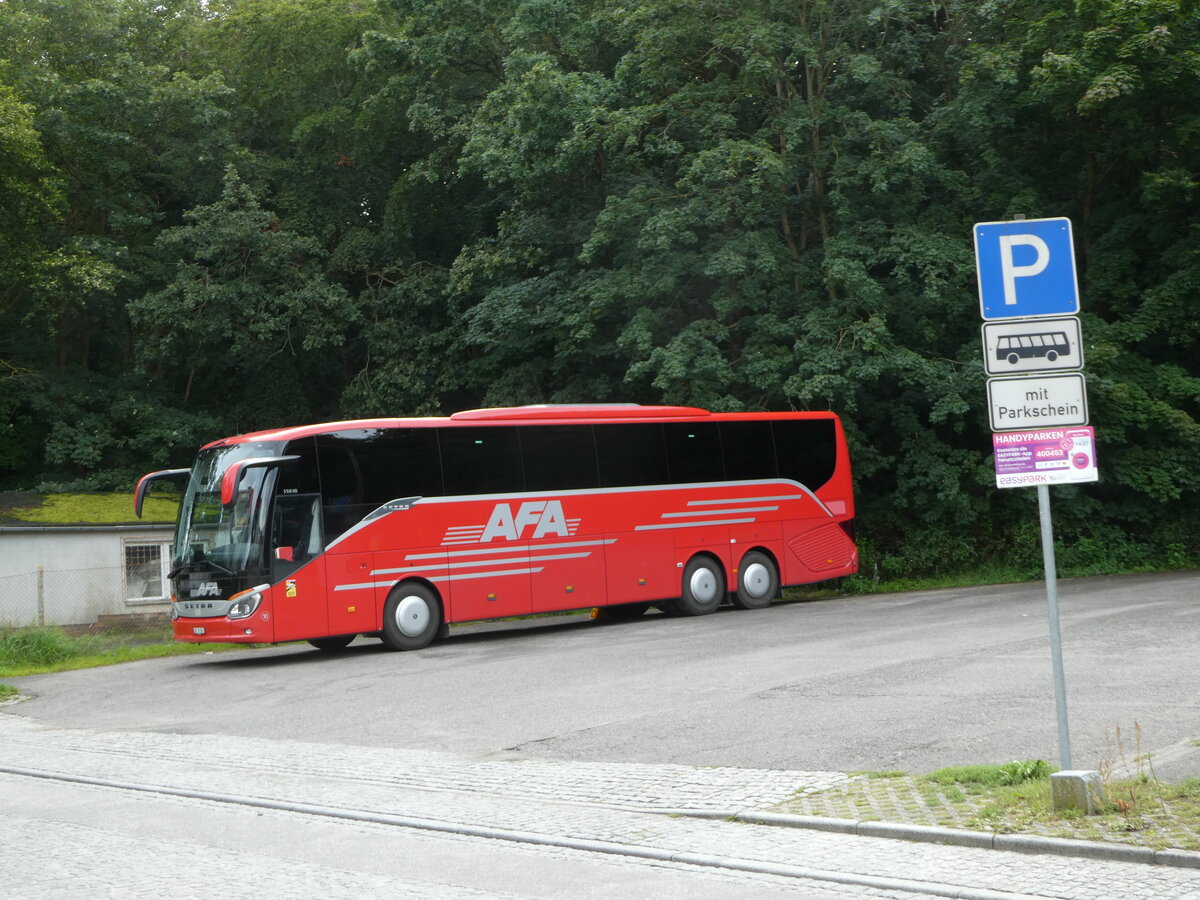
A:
(757, 582)
(412, 617)
(703, 587)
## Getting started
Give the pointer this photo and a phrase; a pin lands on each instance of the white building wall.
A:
(71, 575)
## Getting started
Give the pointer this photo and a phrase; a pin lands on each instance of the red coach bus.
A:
(394, 528)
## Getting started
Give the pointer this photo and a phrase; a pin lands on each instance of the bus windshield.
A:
(229, 538)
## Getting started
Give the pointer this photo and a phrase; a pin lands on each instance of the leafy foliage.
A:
(227, 215)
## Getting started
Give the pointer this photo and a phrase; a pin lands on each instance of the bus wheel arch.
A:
(757, 580)
(412, 616)
(703, 586)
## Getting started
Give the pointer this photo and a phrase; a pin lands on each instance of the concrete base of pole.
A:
(1077, 789)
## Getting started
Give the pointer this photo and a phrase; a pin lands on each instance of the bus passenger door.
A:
(298, 568)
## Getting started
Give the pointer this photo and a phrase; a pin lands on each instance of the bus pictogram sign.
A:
(1032, 345)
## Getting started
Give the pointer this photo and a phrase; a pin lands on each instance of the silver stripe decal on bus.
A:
(463, 577)
(483, 562)
(693, 524)
(744, 500)
(514, 548)
(364, 585)
(719, 512)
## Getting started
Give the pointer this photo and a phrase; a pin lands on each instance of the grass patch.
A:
(37, 651)
(1010, 773)
(976, 798)
(7, 692)
(95, 509)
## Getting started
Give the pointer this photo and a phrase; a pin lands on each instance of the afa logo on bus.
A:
(546, 517)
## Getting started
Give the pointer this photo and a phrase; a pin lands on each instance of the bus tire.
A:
(412, 616)
(757, 581)
(703, 587)
(333, 644)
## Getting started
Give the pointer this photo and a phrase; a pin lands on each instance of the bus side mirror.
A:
(143, 486)
(233, 475)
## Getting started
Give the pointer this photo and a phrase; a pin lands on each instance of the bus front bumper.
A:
(224, 630)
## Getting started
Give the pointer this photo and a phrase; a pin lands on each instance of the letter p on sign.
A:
(1026, 268)
(1010, 272)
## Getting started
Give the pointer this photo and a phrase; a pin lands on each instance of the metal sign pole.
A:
(1060, 685)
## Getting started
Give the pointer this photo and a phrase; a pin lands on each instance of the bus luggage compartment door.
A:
(353, 611)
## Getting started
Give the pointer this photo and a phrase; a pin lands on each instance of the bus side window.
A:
(631, 455)
(559, 457)
(807, 450)
(481, 460)
(399, 462)
(341, 483)
(300, 477)
(749, 451)
(693, 452)
(296, 531)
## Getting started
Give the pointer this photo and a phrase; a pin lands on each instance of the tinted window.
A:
(364, 468)
(481, 460)
(749, 450)
(299, 477)
(631, 455)
(693, 452)
(807, 450)
(559, 457)
(399, 462)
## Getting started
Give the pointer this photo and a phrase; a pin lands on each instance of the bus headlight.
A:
(244, 604)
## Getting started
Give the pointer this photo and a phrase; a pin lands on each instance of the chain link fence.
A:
(83, 597)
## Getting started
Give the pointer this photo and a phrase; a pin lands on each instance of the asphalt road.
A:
(910, 681)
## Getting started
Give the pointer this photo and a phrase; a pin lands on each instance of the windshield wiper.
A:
(194, 564)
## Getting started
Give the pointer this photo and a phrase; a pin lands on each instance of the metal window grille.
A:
(145, 572)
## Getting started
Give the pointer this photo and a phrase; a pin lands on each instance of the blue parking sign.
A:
(1026, 268)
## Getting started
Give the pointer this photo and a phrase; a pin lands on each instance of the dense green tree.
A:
(284, 209)
(248, 302)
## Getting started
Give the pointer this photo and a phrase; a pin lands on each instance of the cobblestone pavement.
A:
(121, 814)
(909, 800)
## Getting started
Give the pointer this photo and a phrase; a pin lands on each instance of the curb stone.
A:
(1017, 843)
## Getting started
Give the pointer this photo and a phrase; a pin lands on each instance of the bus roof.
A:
(545, 414)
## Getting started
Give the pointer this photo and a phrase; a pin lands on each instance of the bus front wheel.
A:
(412, 617)
(703, 587)
(757, 582)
